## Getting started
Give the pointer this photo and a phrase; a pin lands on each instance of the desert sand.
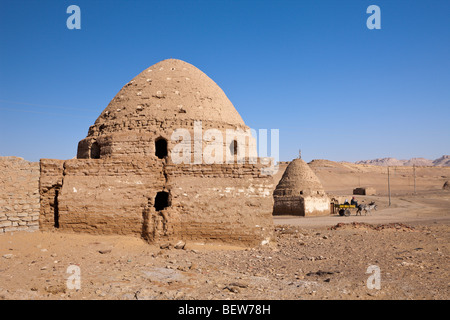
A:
(313, 258)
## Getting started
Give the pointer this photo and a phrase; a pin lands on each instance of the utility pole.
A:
(389, 187)
(414, 170)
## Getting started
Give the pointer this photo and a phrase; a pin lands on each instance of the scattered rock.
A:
(100, 293)
(288, 231)
(238, 284)
(56, 289)
(379, 227)
(231, 289)
(192, 266)
(320, 273)
(180, 245)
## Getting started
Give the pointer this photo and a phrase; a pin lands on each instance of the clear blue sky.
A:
(311, 69)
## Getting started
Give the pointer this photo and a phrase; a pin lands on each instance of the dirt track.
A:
(425, 207)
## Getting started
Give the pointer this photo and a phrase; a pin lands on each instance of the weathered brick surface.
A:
(220, 203)
(231, 209)
(123, 180)
(299, 192)
(19, 195)
(107, 196)
(169, 95)
(51, 180)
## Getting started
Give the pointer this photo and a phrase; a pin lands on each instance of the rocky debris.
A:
(56, 289)
(180, 245)
(163, 274)
(303, 265)
(317, 258)
(379, 227)
(165, 246)
(238, 285)
(232, 289)
(321, 273)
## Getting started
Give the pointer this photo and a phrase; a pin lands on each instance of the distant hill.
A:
(443, 161)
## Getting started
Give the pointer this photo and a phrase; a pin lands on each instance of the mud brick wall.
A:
(50, 185)
(365, 191)
(229, 209)
(219, 203)
(302, 206)
(98, 196)
(19, 195)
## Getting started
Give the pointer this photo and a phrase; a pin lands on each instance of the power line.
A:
(46, 106)
(46, 113)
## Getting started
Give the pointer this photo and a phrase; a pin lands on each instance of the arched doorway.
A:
(234, 147)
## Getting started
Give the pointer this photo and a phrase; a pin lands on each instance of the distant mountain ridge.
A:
(443, 161)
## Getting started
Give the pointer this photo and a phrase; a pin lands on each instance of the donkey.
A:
(371, 206)
(366, 207)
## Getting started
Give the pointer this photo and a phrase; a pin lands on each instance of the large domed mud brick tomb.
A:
(145, 167)
(300, 192)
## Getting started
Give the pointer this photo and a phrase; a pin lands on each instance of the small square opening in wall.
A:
(161, 148)
(162, 200)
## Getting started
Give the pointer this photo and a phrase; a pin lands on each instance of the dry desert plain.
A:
(313, 258)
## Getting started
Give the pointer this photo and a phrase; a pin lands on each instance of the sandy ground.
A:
(312, 258)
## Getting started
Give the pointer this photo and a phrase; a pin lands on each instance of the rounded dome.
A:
(171, 93)
(299, 179)
(167, 96)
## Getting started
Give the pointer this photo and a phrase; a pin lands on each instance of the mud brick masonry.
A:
(300, 192)
(19, 194)
(120, 196)
(125, 180)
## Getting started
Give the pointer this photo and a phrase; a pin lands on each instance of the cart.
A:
(344, 209)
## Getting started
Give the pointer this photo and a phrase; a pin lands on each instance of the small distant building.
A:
(367, 191)
(300, 192)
